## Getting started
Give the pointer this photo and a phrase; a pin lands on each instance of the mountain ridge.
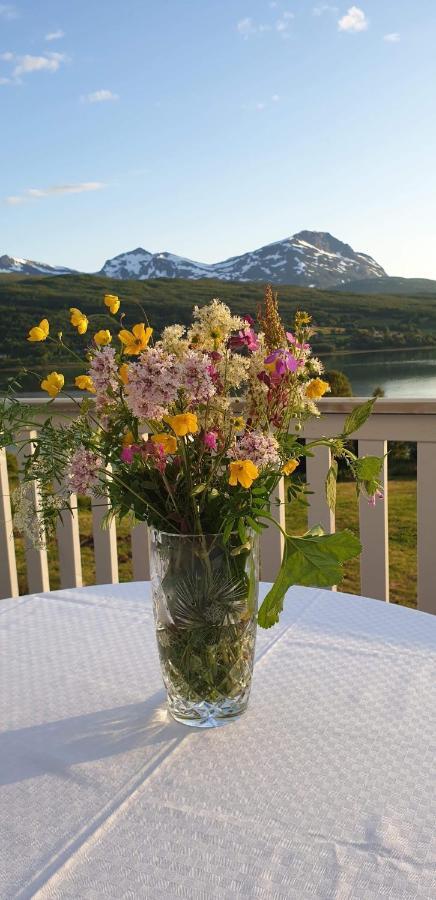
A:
(307, 259)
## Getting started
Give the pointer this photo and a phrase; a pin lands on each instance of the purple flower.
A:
(210, 440)
(282, 362)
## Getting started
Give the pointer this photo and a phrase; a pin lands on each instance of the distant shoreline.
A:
(375, 350)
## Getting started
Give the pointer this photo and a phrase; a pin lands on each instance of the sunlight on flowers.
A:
(243, 472)
(39, 332)
(183, 424)
(79, 320)
(103, 337)
(167, 441)
(136, 340)
(317, 388)
(290, 466)
(84, 383)
(112, 302)
(53, 384)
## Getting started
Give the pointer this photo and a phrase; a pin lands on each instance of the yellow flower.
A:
(302, 318)
(290, 466)
(79, 320)
(135, 340)
(316, 388)
(53, 384)
(39, 332)
(167, 441)
(112, 302)
(84, 383)
(103, 337)
(244, 472)
(185, 423)
(123, 372)
(238, 423)
(128, 439)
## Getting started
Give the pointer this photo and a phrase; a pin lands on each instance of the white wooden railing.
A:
(392, 420)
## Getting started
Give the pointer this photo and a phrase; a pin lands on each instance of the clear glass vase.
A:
(205, 597)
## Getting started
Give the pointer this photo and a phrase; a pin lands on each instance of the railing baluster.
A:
(36, 558)
(105, 544)
(426, 520)
(271, 542)
(8, 567)
(317, 467)
(374, 533)
(140, 552)
(68, 540)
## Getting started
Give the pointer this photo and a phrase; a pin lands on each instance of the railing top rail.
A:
(328, 405)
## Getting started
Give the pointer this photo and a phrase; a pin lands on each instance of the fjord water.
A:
(401, 373)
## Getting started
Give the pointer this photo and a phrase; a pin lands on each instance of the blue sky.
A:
(211, 127)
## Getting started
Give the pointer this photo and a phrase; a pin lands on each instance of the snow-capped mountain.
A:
(309, 258)
(13, 264)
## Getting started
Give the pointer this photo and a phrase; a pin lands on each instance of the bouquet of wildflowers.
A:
(191, 431)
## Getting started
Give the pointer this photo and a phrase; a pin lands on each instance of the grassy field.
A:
(402, 541)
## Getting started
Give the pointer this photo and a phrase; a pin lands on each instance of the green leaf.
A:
(368, 467)
(256, 526)
(358, 417)
(330, 485)
(228, 530)
(198, 489)
(242, 531)
(314, 560)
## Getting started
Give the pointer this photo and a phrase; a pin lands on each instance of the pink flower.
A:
(153, 384)
(128, 453)
(377, 496)
(261, 448)
(83, 475)
(210, 440)
(247, 337)
(293, 340)
(157, 453)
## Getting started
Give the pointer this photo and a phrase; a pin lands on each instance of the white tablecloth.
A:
(325, 788)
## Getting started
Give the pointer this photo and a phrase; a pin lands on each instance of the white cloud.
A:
(54, 190)
(392, 38)
(275, 98)
(324, 8)
(355, 20)
(260, 106)
(8, 11)
(50, 62)
(246, 27)
(55, 35)
(7, 57)
(283, 24)
(100, 96)
(5, 80)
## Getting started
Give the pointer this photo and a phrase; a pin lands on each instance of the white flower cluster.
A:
(213, 325)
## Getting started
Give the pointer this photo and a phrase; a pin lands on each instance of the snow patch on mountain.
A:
(309, 258)
(16, 265)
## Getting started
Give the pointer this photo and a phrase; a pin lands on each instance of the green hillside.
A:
(344, 321)
(391, 285)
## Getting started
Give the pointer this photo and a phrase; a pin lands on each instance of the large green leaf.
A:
(314, 560)
(358, 417)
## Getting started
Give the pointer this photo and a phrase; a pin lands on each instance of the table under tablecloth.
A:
(324, 789)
